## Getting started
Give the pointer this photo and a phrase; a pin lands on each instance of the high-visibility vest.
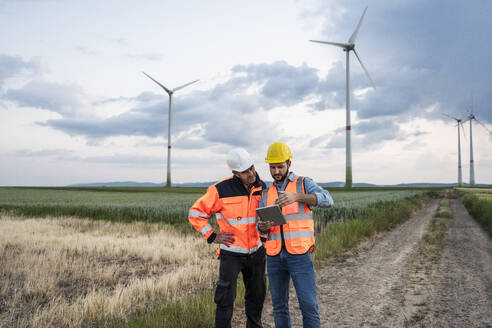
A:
(298, 232)
(235, 211)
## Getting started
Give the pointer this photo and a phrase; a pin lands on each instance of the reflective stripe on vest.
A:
(301, 216)
(298, 232)
(291, 235)
(239, 221)
(242, 250)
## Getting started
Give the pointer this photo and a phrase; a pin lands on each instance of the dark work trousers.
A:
(253, 270)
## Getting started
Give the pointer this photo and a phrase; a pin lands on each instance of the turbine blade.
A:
(454, 118)
(486, 128)
(354, 35)
(184, 85)
(341, 45)
(365, 70)
(463, 130)
(150, 77)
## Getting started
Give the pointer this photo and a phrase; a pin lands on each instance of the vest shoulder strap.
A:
(300, 188)
(265, 195)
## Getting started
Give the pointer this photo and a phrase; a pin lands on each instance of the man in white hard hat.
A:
(234, 201)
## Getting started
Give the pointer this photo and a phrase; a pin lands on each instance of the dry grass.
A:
(68, 272)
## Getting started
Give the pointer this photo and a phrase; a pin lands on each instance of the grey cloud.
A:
(66, 99)
(331, 89)
(141, 121)
(415, 56)
(69, 155)
(192, 138)
(366, 127)
(374, 132)
(11, 66)
(337, 141)
(282, 84)
(191, 142)
(225, 114)
(148, 96)
(365, 134)
(222, 111)
(145, 96)
(315, 142)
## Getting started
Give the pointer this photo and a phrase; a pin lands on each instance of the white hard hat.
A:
(239, 159)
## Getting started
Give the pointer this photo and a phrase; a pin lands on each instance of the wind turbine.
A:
(470, 118)
(347, 47)
(460, 122)
(170, 92)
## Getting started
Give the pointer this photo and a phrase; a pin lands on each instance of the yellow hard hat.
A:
(278, 152)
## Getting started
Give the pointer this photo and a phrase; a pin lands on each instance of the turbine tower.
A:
(347, 47)
(170, 92)
(459, 121)
(470, 118)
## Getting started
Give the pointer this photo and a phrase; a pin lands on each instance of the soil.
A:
(380, 285)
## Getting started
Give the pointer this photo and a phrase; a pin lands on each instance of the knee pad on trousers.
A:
(223, 294)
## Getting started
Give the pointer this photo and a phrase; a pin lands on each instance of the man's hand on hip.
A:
(225, 238)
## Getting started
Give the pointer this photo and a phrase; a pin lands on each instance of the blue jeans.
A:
(300, 268)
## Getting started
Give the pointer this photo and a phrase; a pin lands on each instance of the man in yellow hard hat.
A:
(289, 246)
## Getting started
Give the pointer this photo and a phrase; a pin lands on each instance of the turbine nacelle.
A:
(350, 45)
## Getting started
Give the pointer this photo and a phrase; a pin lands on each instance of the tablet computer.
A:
(271, 213)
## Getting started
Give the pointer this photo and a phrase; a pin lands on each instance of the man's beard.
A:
(283, 177)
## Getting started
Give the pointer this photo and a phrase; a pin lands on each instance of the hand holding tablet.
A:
(271, 213)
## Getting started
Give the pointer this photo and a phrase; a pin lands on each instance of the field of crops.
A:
(156, 205)
(140, 258)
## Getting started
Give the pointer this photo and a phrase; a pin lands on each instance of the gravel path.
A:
(379, 286)
(463, 297)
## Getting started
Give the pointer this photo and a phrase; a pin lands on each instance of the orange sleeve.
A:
(203, 208)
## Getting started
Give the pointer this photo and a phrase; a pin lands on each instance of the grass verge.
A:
(480, 208)
(430, 247)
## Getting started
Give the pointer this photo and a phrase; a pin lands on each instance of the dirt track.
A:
(379, 286)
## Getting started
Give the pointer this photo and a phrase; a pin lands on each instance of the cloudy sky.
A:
(75, 106)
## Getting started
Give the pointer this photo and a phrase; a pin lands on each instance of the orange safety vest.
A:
(298, 232)
(235, 211)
